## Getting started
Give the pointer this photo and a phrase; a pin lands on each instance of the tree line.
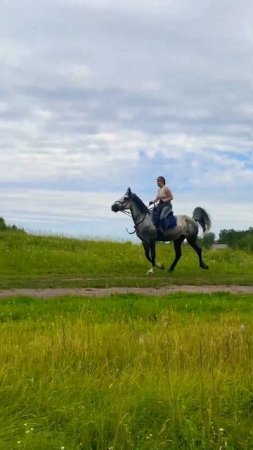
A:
(237, 239)
(232, 238)
(5, 227)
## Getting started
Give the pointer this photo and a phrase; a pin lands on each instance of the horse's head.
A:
(124, 202)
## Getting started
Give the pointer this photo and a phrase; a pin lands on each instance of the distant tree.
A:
(246, 242)
(3, 225)
(208, 240)
(237, 239)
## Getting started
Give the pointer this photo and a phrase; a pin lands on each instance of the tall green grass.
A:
(49, 261)
(127, 373)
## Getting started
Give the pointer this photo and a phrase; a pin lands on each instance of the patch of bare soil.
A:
(104, 292)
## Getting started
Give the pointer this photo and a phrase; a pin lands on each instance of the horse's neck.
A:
(137, 214)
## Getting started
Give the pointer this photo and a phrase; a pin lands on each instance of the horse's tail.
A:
(202, 217)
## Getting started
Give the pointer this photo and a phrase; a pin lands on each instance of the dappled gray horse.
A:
(186, 228)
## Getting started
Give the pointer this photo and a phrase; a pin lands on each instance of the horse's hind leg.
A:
(194, 245)
(178, 252)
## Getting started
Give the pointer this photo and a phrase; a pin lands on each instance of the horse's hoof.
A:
(204, 266)
(150, 272)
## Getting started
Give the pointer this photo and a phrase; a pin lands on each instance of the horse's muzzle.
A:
(115, 207)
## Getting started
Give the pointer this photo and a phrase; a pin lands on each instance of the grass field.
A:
(127, 372)
(48, 261)
(124, 372)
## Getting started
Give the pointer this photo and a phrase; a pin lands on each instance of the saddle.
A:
(166, 220)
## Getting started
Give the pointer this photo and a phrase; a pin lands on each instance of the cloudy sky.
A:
(99, 95)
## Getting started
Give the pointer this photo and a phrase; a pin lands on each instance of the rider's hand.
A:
(150, 203)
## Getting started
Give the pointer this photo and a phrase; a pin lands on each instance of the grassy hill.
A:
(54, 261)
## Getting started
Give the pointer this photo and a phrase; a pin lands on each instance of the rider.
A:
(163, 197)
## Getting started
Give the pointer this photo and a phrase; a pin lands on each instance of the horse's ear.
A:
(128, 191)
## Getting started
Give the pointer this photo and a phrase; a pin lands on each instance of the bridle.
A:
(128, 213)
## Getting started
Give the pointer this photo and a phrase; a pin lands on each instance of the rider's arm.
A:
(168, 193)
(156, 199)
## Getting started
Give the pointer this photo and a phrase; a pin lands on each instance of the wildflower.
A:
(149, 436)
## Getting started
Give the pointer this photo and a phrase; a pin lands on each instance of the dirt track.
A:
(103, 292)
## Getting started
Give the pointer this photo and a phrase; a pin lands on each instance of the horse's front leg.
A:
(153, 257)
(147, 252)
(150, 253)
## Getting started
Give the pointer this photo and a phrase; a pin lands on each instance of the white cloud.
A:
(97, 96)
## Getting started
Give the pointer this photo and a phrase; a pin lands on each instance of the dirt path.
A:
(103, 292)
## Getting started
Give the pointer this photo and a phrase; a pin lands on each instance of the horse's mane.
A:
(140, 204)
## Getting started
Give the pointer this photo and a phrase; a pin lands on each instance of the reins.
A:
(128, 213)
(136, 224)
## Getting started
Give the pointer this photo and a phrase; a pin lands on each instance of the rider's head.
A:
(161, 180)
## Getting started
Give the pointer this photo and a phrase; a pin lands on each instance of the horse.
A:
(186, 228)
